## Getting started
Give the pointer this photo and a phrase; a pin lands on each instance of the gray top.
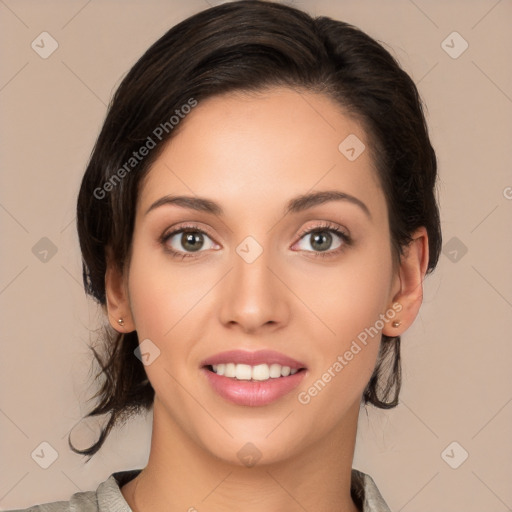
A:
(108, 497)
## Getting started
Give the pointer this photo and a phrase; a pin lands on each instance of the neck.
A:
(181, 475)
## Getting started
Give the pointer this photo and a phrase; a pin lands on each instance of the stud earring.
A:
(120, 322)
(396, 324)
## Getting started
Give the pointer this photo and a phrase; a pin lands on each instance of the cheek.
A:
(349, 297)
(160, 295)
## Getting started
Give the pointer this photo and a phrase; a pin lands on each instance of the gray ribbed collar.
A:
(110, 499)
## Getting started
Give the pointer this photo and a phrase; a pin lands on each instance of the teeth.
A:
(243, 372)
(230, 370)
(275, 371)
(259, 372)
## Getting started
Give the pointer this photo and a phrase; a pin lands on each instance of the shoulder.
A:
(366, 493)
(79, 502)
(107, 497)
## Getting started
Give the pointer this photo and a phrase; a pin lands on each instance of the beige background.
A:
(456, 357)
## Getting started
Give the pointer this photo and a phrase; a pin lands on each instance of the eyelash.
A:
(332, 228)
(326, 226)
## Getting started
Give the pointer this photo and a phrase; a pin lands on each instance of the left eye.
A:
(321, 239)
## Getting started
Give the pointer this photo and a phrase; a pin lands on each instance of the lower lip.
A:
(253, 393)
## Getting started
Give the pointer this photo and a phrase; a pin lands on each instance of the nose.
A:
(254, 295)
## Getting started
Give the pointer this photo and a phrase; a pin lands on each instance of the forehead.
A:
(245, 150)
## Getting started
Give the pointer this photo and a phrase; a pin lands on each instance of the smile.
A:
(252, 378)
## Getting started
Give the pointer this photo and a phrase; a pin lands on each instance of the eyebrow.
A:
(294, 205)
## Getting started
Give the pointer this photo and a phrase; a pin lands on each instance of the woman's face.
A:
(246, 278)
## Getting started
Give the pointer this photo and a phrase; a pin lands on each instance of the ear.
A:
(116, 291)
(409, 284)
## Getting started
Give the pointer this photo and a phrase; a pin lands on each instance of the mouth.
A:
(253, 378)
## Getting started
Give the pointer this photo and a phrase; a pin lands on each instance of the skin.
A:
(252, 154)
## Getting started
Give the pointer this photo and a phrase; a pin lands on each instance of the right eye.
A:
(183, 241)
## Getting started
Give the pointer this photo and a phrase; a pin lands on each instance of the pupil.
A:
(188, 241)
(318, 238)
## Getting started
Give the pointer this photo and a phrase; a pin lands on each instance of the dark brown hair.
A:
(248, 46)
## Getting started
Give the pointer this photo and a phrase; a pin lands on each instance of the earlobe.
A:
(118, 306)
(412, 271)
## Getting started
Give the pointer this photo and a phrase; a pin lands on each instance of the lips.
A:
(249, 391)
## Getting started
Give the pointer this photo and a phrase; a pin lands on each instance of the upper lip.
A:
(253, 358)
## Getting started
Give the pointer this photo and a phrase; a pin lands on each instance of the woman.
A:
(257, 218)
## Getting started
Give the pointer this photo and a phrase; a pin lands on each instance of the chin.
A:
(250, 451)
(266, 442)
